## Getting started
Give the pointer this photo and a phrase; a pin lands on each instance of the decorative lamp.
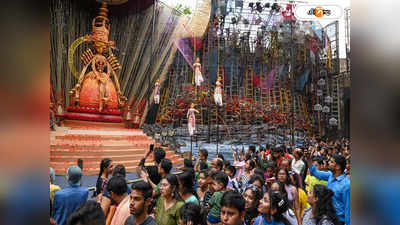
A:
(333, 121)
(321, 82)
(317, 107)
(328, 99)
(325, 109)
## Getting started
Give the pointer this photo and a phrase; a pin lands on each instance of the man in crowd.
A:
(141, 198)
(106, 203)
(203, 155)
(152, 170)
(119, 194)
(338, 183)
(53, 188)
(217, 164)
(90, 213)
(232, 208)
(164, 168)
(70, 198)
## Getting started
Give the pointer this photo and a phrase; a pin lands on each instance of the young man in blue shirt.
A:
(337, 182)
(70, 198)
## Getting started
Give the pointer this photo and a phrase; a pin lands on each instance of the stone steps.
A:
(93, 141)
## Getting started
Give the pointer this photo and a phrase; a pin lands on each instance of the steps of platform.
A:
(76, 124)
(93, 141)
(96, 160)
(76, 154)
(144, 144)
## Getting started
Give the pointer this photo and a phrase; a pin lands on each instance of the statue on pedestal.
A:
(95, 87)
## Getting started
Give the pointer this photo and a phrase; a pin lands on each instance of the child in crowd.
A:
(220, 181)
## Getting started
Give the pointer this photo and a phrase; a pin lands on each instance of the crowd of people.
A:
(272, 185)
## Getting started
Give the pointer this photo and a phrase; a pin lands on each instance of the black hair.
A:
(213, 173)
(282, 188)
(257, 192)
(279, 203)
(173, 181)
(143, 187)
(259, 171)
(233, 199)
(89, 213)
(256, 178)
(296, 180)
(232, 169)
(271, 164)
(166, 165)
(188, 163)
(300, 153)
(220, 164)
(203, 165)
(204, 152)
(227, 163)
(324, 206)
(117, 185)
(205, 172)
(186, 180)
(221, 178)
(341, 160)
(80, 163)
(252, 164)
(159, 154)
(252, 148)
(119, 170)
(319, 160)
(277, 149)
(219, 155)
(105, 163)
(287, 181)
(247, 157)
(191, 212)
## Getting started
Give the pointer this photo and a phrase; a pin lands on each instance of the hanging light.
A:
(328, 99)
(333, 121)
(317, 107)
(325, 109)
(321, 82)
(319, 92)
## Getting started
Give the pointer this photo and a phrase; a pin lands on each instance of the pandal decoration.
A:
(100, 58)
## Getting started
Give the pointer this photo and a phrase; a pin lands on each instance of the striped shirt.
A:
(206, 199)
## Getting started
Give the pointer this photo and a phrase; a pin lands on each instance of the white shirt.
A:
(298, 166)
